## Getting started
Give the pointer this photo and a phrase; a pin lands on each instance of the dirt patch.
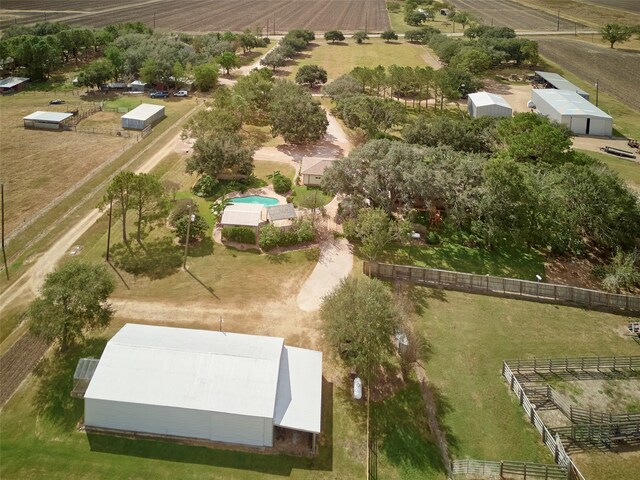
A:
(609, 396)
(575, 272)
(517, 95)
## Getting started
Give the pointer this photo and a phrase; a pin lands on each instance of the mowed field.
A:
(207, 15)
(617, 71)
(39, 165)
(631, 5)
(510, 14)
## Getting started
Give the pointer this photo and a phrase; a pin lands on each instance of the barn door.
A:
(588, 126)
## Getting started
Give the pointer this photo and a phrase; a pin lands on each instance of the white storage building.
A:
(47, 120)
(243, 215)
(143, 116)
(485, 104)
(573, 110)
(203, 384)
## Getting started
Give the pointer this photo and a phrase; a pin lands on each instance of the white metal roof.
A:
(567, 102)
(561, 83)
(299, 396)
(10, 82)
(143, 112)
(194, 369)
(481, 99)
(247, 214)
(55, 117)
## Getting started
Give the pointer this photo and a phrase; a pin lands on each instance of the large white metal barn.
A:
(142, 116)
(572, 110)
(203, 384)
(485, 104)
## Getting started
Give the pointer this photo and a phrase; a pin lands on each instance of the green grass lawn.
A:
(440, 22)
(628, 170)
(342, 57)
(468, 338)
(262, 169)
(310, 195)
(503, 262)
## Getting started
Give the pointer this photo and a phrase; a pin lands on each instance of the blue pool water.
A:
(266, 201)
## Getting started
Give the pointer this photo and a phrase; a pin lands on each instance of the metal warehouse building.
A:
(143, 116)
(203, 384)
(553, 80)
(574, 111)
(485, 104)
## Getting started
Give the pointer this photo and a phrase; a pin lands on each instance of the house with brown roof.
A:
(312, 170)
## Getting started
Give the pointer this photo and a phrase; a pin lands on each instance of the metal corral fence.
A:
(577, 414)
(553, 442)
(629, 363)
(511, 287)
(507, 469)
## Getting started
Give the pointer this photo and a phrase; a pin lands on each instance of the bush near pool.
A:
(239, 235)
(272, 237)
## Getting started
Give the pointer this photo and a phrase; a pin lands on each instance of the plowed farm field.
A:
(617, 71)
(630, 5)
(206, 15)
(505, 13)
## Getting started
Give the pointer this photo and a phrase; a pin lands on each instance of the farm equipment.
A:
(618, 152)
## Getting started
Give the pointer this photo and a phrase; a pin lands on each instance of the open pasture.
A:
(468, 336)
(206, 16)
(615, 70)
(590, 12)
(509, 14)
(37, 165)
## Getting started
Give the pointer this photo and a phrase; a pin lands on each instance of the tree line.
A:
(524, 185)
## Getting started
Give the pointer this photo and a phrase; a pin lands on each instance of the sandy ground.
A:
(595, 143)
(517, 95)
(432, 60)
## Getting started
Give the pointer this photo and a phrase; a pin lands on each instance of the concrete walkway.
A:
(334, 264)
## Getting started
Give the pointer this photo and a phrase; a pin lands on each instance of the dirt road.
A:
(31, 281)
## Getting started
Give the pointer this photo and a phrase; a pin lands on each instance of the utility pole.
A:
(154, 20)
(221, 321)
(186, 244)
(558, 27)
(366, 22)
(109, 229)
(597, 91)
(4, 253)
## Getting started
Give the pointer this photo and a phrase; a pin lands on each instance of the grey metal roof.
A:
(10, 82)
(567, 102)
(561, 83)
(281, 212)
(144, 111)
(52, 117)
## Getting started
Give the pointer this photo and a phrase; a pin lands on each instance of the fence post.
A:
(501, 468)
(533, 415)
(521, 395)
(424, 275)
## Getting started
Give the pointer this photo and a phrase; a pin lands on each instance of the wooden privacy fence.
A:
(553, 442)
(511, 287)
(508, 469)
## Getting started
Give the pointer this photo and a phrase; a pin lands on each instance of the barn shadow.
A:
(228, 456)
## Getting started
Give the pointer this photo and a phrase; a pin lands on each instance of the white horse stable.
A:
(201, 384)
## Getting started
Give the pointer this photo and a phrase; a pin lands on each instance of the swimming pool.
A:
(266, 201)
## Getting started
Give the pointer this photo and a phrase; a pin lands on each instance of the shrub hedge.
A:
(239, 234)
(272, 237)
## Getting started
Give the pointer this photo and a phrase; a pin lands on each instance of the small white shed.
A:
(573, 110)
(47, 120)
(203, 384)
(485, 104)
(143, 116)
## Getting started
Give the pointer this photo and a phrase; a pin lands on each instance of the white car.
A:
(181, 93)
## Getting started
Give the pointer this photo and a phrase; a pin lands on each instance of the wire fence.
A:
(501, 286)
(506, 468)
